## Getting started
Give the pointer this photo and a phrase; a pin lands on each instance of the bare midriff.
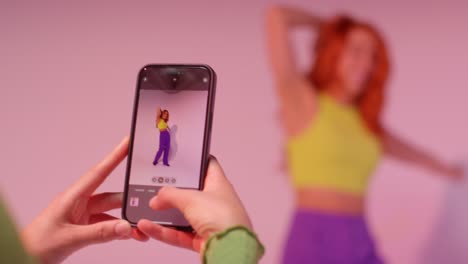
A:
(329, 201)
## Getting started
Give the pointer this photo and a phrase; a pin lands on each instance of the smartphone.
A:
(169, 139)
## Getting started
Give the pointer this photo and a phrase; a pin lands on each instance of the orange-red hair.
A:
(330, 42)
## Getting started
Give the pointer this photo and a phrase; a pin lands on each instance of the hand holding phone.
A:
(77, 217)
(212, 210)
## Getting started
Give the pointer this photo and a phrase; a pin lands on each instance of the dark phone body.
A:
(208, 120)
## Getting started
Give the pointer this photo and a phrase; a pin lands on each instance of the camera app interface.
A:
(168, 138)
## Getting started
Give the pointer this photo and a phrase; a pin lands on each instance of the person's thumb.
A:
(170, 197)
(104, 231)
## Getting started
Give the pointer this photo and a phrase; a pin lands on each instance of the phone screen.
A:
(170, 137)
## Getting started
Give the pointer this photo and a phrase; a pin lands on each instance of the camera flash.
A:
(205, 80)
(144, 79)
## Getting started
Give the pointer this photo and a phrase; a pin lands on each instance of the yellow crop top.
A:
(335, 152)
(162, 125)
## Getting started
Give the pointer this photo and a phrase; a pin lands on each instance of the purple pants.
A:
(164, 146)
(323, 238)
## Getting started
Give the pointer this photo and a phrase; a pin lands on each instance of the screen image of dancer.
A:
(167, 147)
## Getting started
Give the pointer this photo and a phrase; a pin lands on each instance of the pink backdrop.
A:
(68, 76)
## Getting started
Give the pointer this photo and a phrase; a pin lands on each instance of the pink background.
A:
(187, 111)
(68, 76)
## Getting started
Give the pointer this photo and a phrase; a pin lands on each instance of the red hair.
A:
(330, 42)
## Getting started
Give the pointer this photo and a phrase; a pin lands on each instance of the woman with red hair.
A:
(332, 121)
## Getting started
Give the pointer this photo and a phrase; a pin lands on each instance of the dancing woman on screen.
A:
(332, 120)
(162, 118)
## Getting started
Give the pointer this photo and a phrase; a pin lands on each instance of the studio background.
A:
(68, 75)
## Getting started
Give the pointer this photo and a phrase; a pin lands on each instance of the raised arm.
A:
(296, 94)
(280, 20)
(404, 151)
(158, 115)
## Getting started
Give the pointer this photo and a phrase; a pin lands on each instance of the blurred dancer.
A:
(332, 121)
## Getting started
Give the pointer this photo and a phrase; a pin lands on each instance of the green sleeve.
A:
(234, 245)
(11, 249)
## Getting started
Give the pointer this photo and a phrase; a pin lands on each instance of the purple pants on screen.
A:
(323, 238)
(164, 146)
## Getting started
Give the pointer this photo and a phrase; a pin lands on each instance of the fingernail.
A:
(153, 200)
(123, 229)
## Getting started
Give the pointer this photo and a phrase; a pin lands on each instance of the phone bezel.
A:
(206, 134)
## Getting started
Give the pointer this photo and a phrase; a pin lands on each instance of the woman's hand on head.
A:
(212, 210)
(77, 218)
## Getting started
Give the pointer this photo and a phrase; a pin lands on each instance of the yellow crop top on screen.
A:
(162, 125)
(336, 151)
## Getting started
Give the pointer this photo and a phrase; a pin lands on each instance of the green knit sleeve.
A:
(11, 249)
(233, 246)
